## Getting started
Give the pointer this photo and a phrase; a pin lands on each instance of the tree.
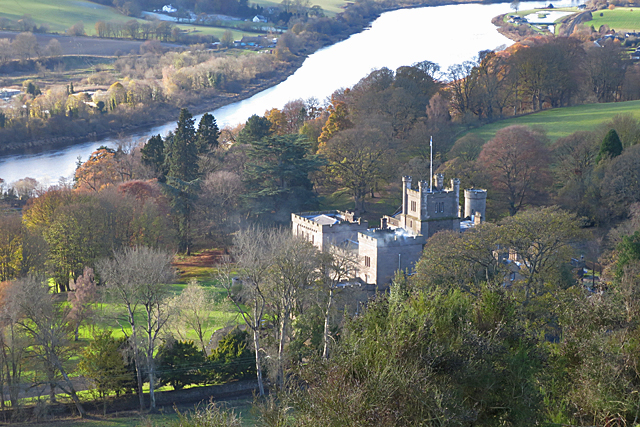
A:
(293, 271)
(25, 45)
(181, 162)
(277, 174)
(207, 134)
(135, 278)
(357, 160)
(227, 39)
(13, 341)
(46, 324)
(103, 363)
(192, 313)
(98, 172)
(82, 299)
(339, 263)
(253, 252)
(11, 237)
(518, 163)
(181, 151)
(542, 240)
(180, 363)
(337, 121)
(611, 146)
(153, 154)
(76, 29)
(254, 129)
(232, 358)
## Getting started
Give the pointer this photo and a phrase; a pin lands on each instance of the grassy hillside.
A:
(561, 122)
(62, 14)
(619, 19)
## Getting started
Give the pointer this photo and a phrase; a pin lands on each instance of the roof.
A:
(325, 219)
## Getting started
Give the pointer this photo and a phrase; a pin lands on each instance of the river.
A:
(446, 35)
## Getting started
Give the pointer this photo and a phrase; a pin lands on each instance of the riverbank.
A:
(162, 113)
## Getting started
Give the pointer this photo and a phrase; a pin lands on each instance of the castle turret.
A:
(475, 200)
(455, 186)
(406, 184)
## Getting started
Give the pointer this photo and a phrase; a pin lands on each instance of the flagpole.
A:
(431, 165)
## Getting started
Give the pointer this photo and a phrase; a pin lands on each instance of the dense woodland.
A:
(449, 345)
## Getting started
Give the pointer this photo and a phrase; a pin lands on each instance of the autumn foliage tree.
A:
(517, 161)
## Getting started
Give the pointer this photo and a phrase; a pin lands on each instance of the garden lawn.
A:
(619, 19)
(561, 122)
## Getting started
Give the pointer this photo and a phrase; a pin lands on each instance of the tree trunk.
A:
(136, 357)
(72, 390)
(325, 335)
(152, 396)
(256, 346)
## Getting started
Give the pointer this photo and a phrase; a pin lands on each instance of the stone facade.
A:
(398, 243)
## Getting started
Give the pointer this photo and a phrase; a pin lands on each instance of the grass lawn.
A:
(561, 122)
(330, 7)
(62, 14)
(619, 19)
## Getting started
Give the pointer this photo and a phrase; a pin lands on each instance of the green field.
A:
(330, 7)
(619, 19)
(62, 14)
(561, 122)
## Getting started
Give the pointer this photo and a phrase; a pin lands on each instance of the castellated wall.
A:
(323, 235)
(383, 251)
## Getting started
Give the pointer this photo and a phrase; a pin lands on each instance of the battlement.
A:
(389, 237)
(321, 219)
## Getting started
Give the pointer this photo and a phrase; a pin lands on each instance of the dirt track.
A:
(87, 45)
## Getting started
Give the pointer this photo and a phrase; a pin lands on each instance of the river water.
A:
(446, 35)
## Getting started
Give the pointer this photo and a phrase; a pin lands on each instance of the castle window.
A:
(413, 205)
(367, 261)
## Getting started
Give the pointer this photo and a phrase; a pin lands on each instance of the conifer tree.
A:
(153, 153)
(181, 152)
(207, 134)
(181, 164)
(611, 146)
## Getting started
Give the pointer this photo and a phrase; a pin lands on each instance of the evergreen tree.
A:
(232, 359)
(611, 146)
(181, 164)
(153, 154)
(277, 174)
(180, 363)
(207, 134)
(255, 129)
(181, 152)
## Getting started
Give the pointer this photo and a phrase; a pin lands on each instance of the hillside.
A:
(560, 122)
(62, 14)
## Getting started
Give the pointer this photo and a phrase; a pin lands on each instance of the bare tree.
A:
(294, 269)
(13, 342)
(136, 279)
(25, 45)
(253, 253)
(339, 263)
(47, 326)
(53, 49)
(192, 312)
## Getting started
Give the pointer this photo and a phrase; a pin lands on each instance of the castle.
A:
(398, 243)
